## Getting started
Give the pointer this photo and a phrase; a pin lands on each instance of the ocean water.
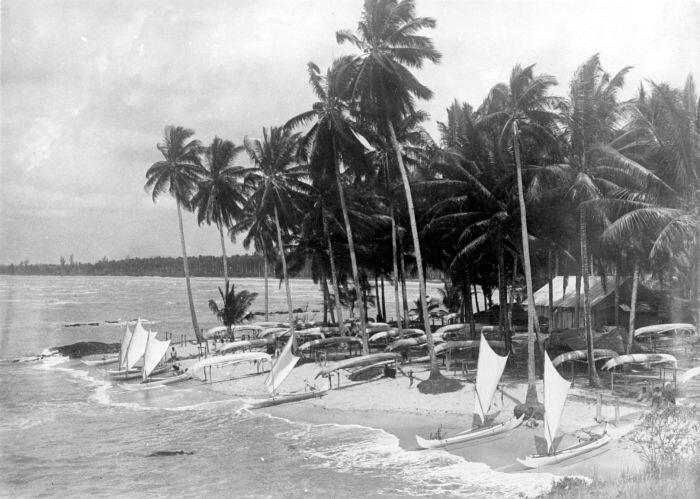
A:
(67, 431)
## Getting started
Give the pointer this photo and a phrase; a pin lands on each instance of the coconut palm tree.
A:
(664, 135)
(234, 307)
(220, 196)
(280, 192)
(522, 109)
(386, 90)
(178, 174)
(591, 119)
(330, 139)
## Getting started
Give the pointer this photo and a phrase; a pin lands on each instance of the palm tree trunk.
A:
(395, 271)
(434, 367)
(695, 296)
(550, 311)
(476, 298)
(502, 294)
(468, 303)
(592, 372)
(267, 291)
(633, 304)
(280, 246)
(381, 279)
(326, 297)
(223, 253)
(334, 277)
(531, 376)
(376, 299)
(577, 306)
(351, 247)
(186, 268)
(618, 265)
(404, 295)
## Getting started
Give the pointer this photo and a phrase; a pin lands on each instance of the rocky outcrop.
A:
(83, 348)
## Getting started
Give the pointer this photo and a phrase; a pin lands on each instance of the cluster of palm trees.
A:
(525, 184)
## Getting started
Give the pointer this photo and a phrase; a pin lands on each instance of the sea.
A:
(67, 430)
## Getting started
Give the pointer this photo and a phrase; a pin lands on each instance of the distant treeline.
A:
(200, 266)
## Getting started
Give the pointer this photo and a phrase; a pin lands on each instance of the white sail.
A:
(125, 345)
(282, 367)
(155, 351)
(489, 369)
(137, 345)
(556, 389)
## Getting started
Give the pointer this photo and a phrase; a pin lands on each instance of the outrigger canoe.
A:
(100, 362)
(640, 358)
(137, 373)
(328, 342)
(573, 451)
(473, 434)
(239, 345)
(357, 362)
(598, 353)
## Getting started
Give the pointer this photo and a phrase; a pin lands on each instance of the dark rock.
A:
(78, 324)
(530, 410)
(83, 348)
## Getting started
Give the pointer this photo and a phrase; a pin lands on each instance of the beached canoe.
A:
(330, 342)
(357, 362)
(537, 461)
(286, 399)
(470, 435)
(136, 373)
(640, 358)
(450, 328)
(406, 343)
(364, 373)
(394, 333)
(598, 353)
(240, 345)
(689, 374)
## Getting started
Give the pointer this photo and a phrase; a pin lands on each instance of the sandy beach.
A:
(398, 408)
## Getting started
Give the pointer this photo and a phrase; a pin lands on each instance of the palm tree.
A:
(664, 135)
(331, 135)
(522, 107)
(386, 90)
(591, 119)
(178, 175)
(280, 191)
(234, 307)
(220, 196)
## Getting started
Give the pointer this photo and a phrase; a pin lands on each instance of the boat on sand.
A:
(556, 390)
(490, 368)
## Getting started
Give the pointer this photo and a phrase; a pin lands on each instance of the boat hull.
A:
(100, 362)
(477, 433)
(535, 461)
(136, 373)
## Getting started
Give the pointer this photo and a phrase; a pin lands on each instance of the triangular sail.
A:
(489, 369)
(154, 353)
(124, 346)
(556, 389)
(137, 345)
(282, 367)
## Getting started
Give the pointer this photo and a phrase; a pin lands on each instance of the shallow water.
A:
(66, 430)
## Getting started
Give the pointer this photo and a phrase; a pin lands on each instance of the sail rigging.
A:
(124, 346)
(281, 367)
(489, 369)
(137, 345)
(155, 351)
(556, 389)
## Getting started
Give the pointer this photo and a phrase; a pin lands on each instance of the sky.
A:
(87, 87)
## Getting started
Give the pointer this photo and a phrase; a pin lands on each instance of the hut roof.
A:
(597, 291)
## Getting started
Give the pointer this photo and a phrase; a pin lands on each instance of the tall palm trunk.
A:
(531, 377)
(633, 303)
(267, 291)
(468, 303)
(351, 247)
(576, 323)
(404, 295)
(334, 277)
(617, 292)
(223, 254)
(550, 278)
(434, 368)
(592, 372)
(696, 286)
(395, 271)
(186, 268)
(280, 246)
(502, 294)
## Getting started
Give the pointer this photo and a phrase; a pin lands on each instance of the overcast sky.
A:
(87, 87)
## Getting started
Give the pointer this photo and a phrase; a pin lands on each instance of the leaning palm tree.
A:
(280, 192)
(332, 136)
(221, 192)
(522, 109)
(178, 175)
(386, 90)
